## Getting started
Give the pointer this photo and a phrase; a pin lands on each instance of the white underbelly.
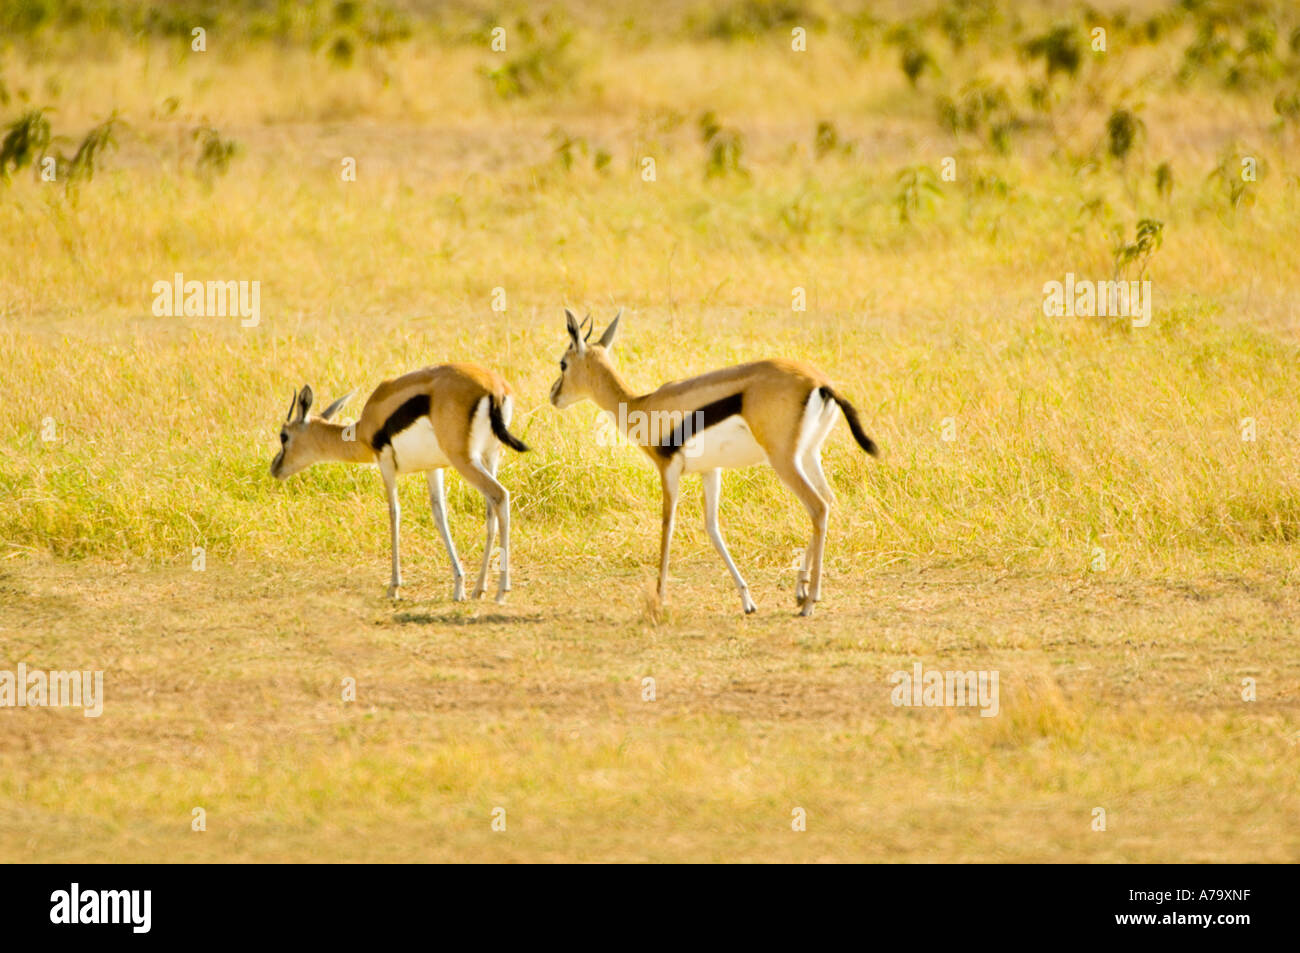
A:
(727, 444)
(416, 448)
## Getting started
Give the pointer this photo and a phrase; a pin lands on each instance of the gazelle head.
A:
(300, 445)
(582, 360)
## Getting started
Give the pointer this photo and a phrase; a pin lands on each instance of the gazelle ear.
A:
(607, 339)
(575, 332)
(338, 405)
(304, 402)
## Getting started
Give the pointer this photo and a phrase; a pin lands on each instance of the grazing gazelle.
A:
(777, 412)
(451, 415)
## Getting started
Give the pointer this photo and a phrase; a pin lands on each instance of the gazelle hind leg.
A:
(810, 452)
(812, 468)
(490, 519)
(498, 499)
(712, 492)
(793, 476)
(801, 583)
(816, 427)
(438, 501)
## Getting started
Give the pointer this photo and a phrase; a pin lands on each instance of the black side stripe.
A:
(405, 415)
(697, 421)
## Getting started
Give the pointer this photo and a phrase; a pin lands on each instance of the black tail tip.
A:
(511, 441)
(855, 424)
(499, 428)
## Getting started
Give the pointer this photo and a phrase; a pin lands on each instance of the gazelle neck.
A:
(608, 390)
(339, 442)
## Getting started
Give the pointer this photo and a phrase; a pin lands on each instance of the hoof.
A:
(501, 597)
(395, 592)
(806, 608)
(478, 594)
(747, 601)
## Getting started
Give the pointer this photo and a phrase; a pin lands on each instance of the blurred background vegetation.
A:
(776, 167)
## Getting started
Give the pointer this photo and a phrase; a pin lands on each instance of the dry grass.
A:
(1121, 689)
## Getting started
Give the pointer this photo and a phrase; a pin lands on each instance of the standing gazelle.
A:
(450, 415)
(777, 412)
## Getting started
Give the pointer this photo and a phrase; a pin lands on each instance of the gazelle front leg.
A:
(670, 477)
(438, 501)
(712, 491)
(389, 473)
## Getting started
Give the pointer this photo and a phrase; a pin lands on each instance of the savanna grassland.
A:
(1106, 514)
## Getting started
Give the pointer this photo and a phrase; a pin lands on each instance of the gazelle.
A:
(451, 415)
(776, 412)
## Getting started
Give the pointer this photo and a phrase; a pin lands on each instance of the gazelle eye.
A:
(564, 366)
(284, 438)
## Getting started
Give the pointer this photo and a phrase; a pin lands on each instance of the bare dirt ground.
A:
(224, 691)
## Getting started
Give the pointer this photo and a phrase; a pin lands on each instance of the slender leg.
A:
(503, 517)
(438, 500)
(670, 477)
(389, 473)
(812, 468)
(712, 491)
(792, 475)
(490, 519)
(801, 583)
(498, 499)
